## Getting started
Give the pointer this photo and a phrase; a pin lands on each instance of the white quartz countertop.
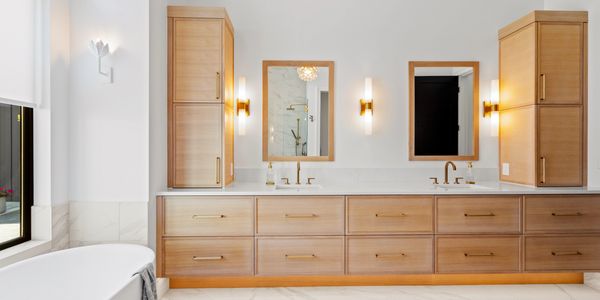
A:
(378, 188)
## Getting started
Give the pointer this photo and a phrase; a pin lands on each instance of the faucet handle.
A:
(309, 180)
(435, 180)
(286, 180)
(457, 180)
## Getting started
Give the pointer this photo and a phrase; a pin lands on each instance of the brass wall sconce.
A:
(242, 106)
(491, 108)
(366, 106)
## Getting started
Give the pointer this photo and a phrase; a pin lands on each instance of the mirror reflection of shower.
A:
(300, 148)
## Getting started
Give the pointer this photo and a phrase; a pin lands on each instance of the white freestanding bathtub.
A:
(86, 273)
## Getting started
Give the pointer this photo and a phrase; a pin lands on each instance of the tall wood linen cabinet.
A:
(543, 99)
(200, 97)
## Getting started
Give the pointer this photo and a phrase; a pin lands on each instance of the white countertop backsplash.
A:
(371, 182)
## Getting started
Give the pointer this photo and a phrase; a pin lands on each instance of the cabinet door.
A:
(560, 63)
(517, 68)
(197, 53)
(197, 138)
(517, 145)
(560, 143)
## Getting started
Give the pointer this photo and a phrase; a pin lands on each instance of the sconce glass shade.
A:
(307, 73)
(494, 112)
(366, 106)
(242, 106)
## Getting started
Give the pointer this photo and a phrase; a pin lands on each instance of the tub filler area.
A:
(91, 272)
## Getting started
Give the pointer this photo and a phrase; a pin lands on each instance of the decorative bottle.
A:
(469, 178)
(270, 175)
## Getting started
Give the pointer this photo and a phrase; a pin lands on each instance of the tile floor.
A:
(481, 292)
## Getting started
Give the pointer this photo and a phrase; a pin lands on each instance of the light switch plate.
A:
(505, 169)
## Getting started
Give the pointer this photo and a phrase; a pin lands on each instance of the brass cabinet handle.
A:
(298, 216)
(218, 170)
(218, 85)
(400, 215)
(208, 216)
(566, 253)
(543, 158)
(300, 256)
(479, 254)
(543, 96)
(390, 255)
(197, 258)
(491, 214)
(577, 214)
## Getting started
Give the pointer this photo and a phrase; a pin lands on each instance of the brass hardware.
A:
(456, 180)
(300, 256)
(218, 85)
(448, 163)
(365, 105)
(309, 180)
(479, 254)
(208, 216)
(488, 108)
(218, 170)
(435, 180)
(286, 180)
(577, 214)
(543, 170)
(300, 216)
(243, 104)
(400, 215)
(543, 96)
(208, 257)
(298, 172)
(390, 255)
(566, 253)
(18, 118)
(491, 214)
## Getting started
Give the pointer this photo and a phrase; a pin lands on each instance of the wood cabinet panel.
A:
(197, 138)
(518, 145)
(390, 215)
(564, 253)
(197, 60)
(479, 214)
(300, 256)
(562, 213)
(310, 215)
(391, 255)
(518, 68)
(209, 256)
(481, 254)
(209, 216)
(560, 146)
(229, 107)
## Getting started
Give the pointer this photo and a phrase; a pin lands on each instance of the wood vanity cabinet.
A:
(543, 99)
(200, 97)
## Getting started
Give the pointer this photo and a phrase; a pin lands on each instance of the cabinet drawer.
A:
(209, 216)
(300, 256)
(300, 216)
(380, 255)
(479, 214)
(367, 215)
(562, 253)
(209, 256)
(478, 254)
(562, 213)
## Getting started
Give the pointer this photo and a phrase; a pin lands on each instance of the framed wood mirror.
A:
(298, 112)
(444, 110)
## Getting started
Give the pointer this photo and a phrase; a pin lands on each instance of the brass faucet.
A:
(446, 171)
(298, 172)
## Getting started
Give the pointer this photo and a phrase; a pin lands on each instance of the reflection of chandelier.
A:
(307, 73)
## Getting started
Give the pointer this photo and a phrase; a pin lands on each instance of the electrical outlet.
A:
(505, 169)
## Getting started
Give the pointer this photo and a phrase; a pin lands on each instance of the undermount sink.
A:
(461, 186)
(302, 186)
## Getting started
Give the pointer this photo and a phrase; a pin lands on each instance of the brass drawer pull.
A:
(566, 253)
(208, 216)
(390, 255)
(400, 215)
(218, 170)
(300, 256)
(543, 169)
(200, 258)
(543, 96)
(577, 214)
(218, 85)
(480, 215)
(479, 254)
(300, 216)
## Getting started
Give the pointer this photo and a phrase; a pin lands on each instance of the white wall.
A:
(593, 8)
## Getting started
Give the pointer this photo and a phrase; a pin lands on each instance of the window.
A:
(16, 174)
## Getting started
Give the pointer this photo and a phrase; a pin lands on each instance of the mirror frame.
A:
(411, 86)
(265, 108)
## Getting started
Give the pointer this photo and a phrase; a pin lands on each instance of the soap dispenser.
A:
(469, 178)
(270, 175)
